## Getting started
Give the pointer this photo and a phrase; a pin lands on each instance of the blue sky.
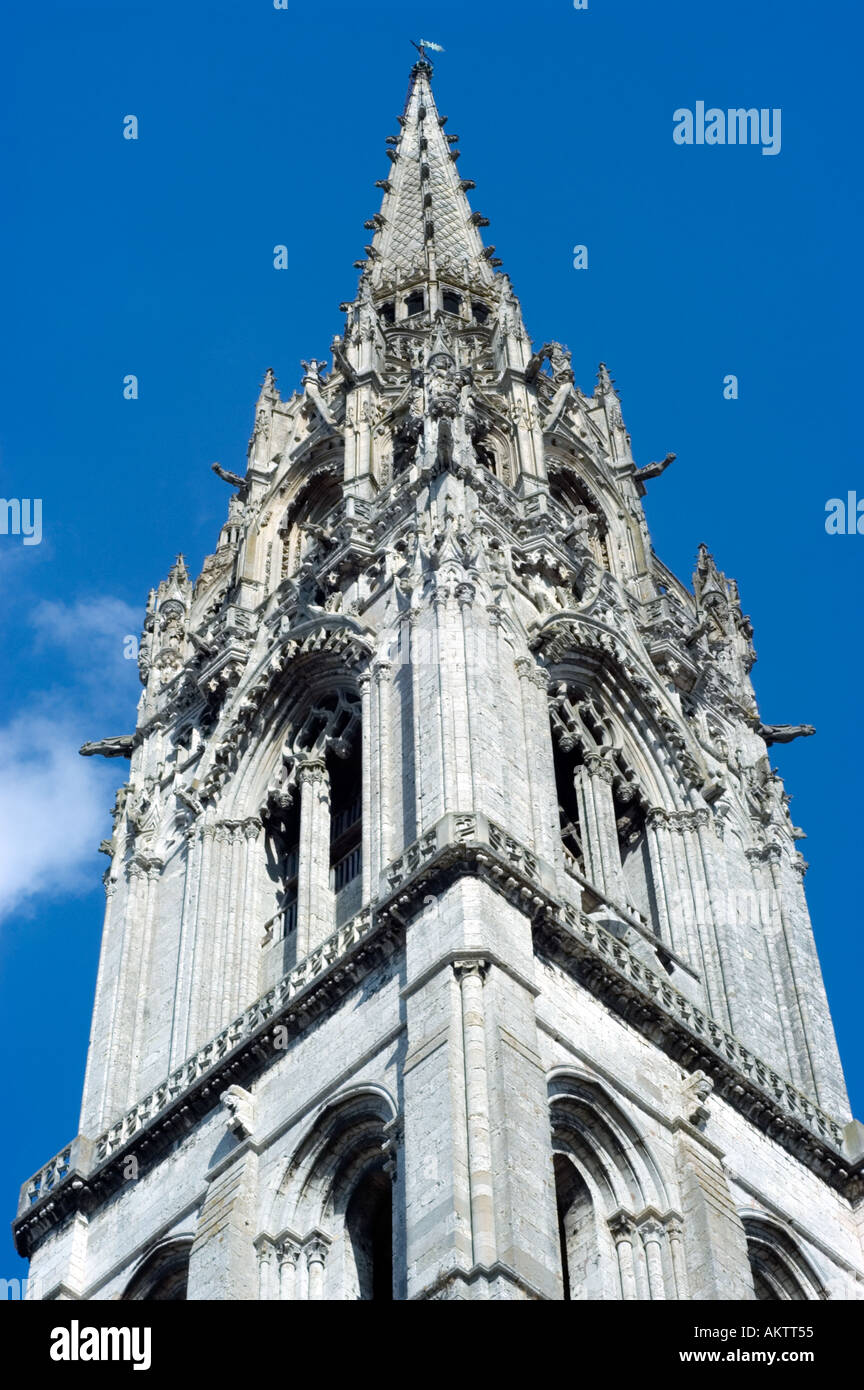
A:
(155, 257)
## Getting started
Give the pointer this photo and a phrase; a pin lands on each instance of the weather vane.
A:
(427, 43)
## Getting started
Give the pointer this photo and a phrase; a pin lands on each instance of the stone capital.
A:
(316, 1249)
(312, 770)
(622, 1228)
(472, 965)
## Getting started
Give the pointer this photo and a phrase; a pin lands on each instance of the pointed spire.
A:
(425, 225)
(269, 391)
(707, 579)
(173, 590)
(605, 384)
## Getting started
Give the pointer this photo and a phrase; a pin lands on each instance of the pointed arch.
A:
(315, 499)
(611, 1196)
(161, 1274)
(781, 1271)
(336, 1191)
(585, 654)
(317, 659)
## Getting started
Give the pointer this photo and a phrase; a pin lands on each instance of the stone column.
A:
(233, 925)
(652, 1234)
(370, 785)
(98, 1062)
(214, 927)
(813, 1044)
(287, 1255)
(470, 975)
(386, 735)
(539, 765)
(264, 1251)
(455, 738)
(186, 952)
(315, 900)
(724, 1008)
(316, 1256)
(622, 1234)
(196, 1032)
(676, 1252)
(249, 928)
(673, 924)
(423, 737)
(599, 831)
(133, 993)
(694, 907)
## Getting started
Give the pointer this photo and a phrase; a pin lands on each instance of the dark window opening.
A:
(486, 457)
(479, 312)
(776, 1266)
(635, 853)
(346, 817)
(577, 1233)
(163, 1278)
(388, 312)
(451, 302)
(415, 303)
(566, 764)
(283, 850)
(369, 1226)
(404, 453)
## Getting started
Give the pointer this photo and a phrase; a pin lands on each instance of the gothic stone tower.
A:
(456, 944)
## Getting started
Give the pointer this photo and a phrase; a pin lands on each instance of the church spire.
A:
(425, 227)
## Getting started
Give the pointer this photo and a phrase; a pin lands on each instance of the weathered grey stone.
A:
(455, 944)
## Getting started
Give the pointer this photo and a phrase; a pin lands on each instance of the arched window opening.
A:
(567, 489)
(479, 312)
(607, 1184)
(369, 1231)
(445, 443)
(346, 831)
(577, 1233)
(772, 1282)
(486, 457)
(780, 1272)
(566, 763)
(311, 509)
(388, 312)
(282, 847)
(405, 441)
(415, 303)
(634, 850)
(163, 1278)
(451, 302)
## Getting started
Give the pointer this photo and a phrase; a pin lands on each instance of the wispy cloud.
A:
(52, 811)
(54, 804)
(84, 644)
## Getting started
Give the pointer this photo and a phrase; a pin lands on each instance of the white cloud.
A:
(52, 811)
(54, 804)
(88, 638)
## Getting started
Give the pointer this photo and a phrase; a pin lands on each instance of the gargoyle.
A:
(653, 470)
(558, 358)
(206, 648)
(119, 747)
(783, 733)
(227, 476)
(340, 361)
